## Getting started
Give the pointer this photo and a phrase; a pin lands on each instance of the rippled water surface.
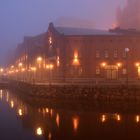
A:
(22, 120)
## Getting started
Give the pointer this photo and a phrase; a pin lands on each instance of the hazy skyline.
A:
(19, 18)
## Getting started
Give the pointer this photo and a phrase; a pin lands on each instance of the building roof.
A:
(83, 31)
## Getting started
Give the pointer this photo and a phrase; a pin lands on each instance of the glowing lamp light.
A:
(103, 64)
(39, 131)
(76, 59)
(12, 66)
(119, 64)
(39, 59)
(20, 112)
(12, 104)
(57, 120)
(20, 64)
(137, 64)
(137, 118)
(50, 40)
(58, 61)
(1, 70)
(103, 118)
(33, 68)
(118, 117)
(23, 69)
(49, 66)
(75, 123)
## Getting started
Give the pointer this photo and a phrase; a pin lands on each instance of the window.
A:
(106, 54)
(124, 54)
(97, 70)
(115, 54)
(124, 71)
(97, 54)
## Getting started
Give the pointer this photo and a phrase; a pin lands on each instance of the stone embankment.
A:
(72, 92)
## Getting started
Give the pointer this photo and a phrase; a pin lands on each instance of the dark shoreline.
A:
(73, 92)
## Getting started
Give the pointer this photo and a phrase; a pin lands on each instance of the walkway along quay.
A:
(78, 92)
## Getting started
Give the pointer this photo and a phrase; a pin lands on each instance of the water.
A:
(31, 119)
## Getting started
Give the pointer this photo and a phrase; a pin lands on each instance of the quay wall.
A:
(81, 92)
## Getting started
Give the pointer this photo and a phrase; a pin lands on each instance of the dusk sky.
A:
(19, 18)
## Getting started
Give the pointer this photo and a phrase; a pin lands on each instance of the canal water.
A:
(21, 120)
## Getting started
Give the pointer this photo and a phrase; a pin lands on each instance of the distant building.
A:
(85, 55)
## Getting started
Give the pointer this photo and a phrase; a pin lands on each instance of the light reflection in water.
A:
(51, 117)
(137, 118)
(20, 112)
(57, 119)
(47, 110)
(1, 94)
(49, 136)
(103, 118)
(12, 104)
(7, 96)
(118, 117)
(51, 112)
(75, 121)
(39, 131)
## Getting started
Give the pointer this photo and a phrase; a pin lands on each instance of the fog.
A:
(129, 16)
(19, 18)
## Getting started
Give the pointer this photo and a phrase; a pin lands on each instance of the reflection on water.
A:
(45, 123)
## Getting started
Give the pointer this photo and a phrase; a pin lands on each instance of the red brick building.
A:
(76, 54)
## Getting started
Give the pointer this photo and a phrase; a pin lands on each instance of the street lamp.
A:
(126, 53)
(119, 65)
(39, 61)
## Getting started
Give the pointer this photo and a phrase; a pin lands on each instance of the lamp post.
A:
(119, 66)
(126, 53)
(39, 62)
(50, 68)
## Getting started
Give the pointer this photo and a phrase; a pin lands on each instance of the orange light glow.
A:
(119, 64)
(49, 66)
(76, 61)
(57, 120)
(49, 136)
(50, 40)
(118, 117)
(137, 64)
(39, 131)
(47, 110)
(137, 118)
(75, 123)
(58, 61)
(103, 118)
(20, 64)
(12, 104)
(103, 64)
(39, 59)
(33, 68)
(20, 112)
(1, 70)
(23, 69)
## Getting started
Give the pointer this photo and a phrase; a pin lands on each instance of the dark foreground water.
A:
(27, 121)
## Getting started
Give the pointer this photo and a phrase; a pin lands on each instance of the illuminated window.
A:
(124, 71)
(76, 59)
(58, 61)
(106, 54)
(50, 40)
(97, 54)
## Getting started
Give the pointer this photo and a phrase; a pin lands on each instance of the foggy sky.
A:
(19, 18)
